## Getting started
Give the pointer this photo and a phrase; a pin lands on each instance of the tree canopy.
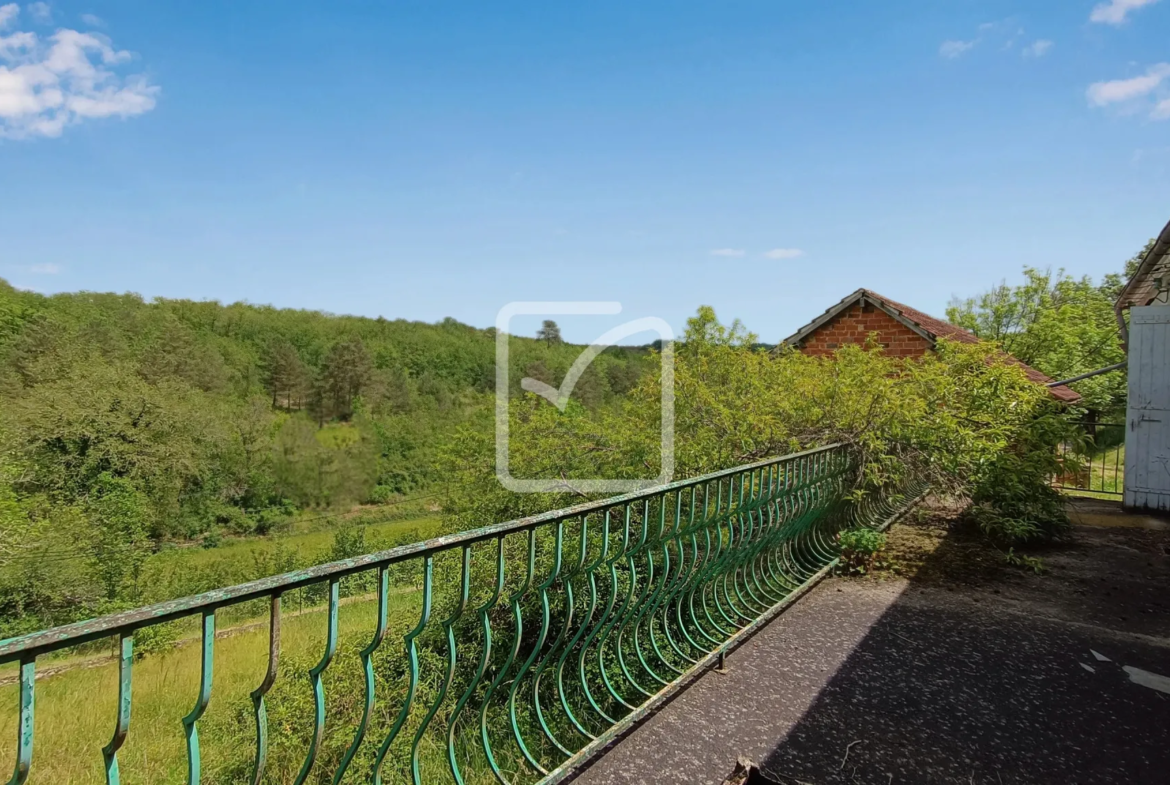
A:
(127, 424)
(1059, 325)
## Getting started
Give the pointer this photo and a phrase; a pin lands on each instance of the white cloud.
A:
(93, 20)
(45, 269)
(1003, 35)
(731, 252)
(1131, 92)
(1118, 90)
(49, 83)
(8, 13)
(40, 12)
(1037, 48)
(1115, 12)
(784, 253)
(953, 49)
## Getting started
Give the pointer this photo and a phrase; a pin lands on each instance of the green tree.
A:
(120, 516)
(549, 332)
(172, 400)
(322, 467)
(286, 377)
(1114, 282)
(1060, 325)
(704, 330)
(41, 351)
(394, 393)
(345, 374)
(106, 420)
(249, 475)
(946, 417)
(175, 353)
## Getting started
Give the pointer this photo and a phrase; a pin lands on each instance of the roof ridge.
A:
(904, 308)
(932, 328)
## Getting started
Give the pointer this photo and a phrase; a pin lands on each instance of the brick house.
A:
(901, 330)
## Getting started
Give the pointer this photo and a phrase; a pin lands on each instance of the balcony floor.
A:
(968, 671)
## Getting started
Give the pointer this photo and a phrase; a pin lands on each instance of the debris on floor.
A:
(748, 773)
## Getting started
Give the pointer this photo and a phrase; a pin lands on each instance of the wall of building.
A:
(854, 325)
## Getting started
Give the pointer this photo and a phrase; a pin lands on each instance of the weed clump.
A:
(861, 550)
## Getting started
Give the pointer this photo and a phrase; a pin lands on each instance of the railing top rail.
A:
(35, 644)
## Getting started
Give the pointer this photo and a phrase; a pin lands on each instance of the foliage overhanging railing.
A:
(530, 644)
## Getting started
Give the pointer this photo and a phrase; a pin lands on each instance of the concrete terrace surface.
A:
(961, 670)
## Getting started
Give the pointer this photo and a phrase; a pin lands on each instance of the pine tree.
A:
(285, 376)
(549, 332)
(346, 373)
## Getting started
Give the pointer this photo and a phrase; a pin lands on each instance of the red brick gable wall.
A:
(854, 324)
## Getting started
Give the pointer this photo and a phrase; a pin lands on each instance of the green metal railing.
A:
(1095, 463)
(531, 644)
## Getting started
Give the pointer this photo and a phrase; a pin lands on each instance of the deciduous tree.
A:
(1060, 325)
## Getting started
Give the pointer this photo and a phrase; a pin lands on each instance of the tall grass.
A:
(76, 708)
(77, 689)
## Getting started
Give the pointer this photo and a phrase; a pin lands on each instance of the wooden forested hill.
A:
(206, 412)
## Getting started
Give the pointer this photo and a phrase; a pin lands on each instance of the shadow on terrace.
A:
(955, 668)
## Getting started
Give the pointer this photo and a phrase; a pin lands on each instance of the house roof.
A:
(1143, 288)
(924, 325)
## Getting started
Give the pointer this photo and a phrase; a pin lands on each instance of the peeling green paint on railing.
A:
(613, 605)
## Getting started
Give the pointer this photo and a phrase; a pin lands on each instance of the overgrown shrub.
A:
(861, 549)
(234, 519)
(156, 638)
(1013, 501)
(274, 519)
(961, 417)
(381, 494)
(213, 539)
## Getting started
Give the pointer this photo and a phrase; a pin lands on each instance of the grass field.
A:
(1102, 474)
(312, 544)
(180, 572)
(76, 709)
(77, 690)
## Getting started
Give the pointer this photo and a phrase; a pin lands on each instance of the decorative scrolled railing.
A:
(510, 653)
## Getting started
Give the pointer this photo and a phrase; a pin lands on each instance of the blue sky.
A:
(431, 159)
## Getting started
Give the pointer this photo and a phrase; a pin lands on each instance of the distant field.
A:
(179, 572)
(310, 544)
(182, 572)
